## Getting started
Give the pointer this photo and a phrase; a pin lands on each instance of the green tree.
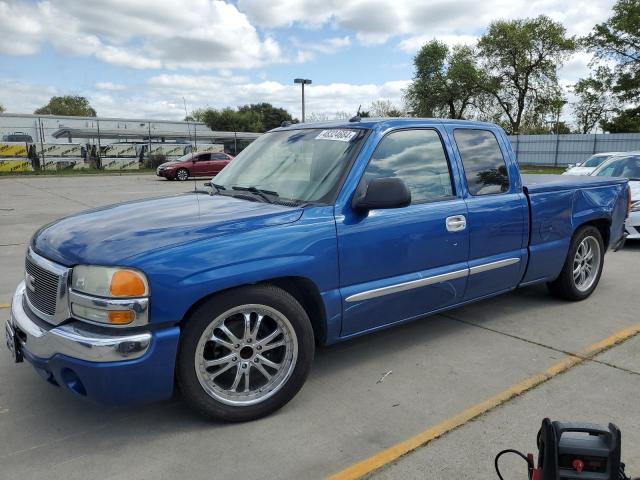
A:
(447, 82)
(67, 105)
(521, 59)
(230, 120)
(618, 40)
(196, 115)
(594, 100)
(1, 108)
(627, 121)
(270, 116)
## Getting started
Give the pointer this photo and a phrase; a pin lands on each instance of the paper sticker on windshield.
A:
(339, 135)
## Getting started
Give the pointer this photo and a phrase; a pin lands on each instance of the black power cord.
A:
(530, 465)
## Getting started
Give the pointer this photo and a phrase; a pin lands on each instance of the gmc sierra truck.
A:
(314, 234)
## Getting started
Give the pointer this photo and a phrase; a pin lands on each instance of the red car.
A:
(205, 164)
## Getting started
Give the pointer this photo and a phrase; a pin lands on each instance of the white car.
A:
(589, 165)
(626, 165)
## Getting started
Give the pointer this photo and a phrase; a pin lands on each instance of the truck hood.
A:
(579, 171)
(109, 235)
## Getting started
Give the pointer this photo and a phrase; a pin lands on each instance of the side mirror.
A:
(571, 165)
(382, 193)
(578, 164)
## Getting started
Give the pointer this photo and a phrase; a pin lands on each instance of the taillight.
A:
(629, 203)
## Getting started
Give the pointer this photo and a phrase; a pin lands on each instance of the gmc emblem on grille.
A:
(30, 281)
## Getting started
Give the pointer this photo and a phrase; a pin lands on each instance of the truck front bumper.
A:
(107, 366)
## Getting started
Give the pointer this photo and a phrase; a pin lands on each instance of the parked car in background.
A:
(626, 166)
(205, 164)
(314, 234)
(589, 165)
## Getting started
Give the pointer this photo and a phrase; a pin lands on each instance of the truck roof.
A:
(377, 123)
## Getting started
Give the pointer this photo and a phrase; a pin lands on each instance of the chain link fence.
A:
(47, 142)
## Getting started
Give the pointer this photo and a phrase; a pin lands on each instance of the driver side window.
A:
(417, 157)
(205, 157)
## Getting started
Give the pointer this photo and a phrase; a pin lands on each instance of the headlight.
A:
(110, 282)
(109, 295)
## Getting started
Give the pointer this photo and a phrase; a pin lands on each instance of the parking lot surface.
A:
(362, 396)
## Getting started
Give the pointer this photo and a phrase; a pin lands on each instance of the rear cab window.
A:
(483, 163)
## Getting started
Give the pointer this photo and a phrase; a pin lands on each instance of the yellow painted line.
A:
(4, 305)
(380, 459)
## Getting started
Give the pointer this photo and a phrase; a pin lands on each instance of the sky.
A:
(141, 58)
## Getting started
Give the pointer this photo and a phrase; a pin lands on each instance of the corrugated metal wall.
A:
(572, 148)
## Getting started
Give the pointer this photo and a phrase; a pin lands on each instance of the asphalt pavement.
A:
(362, 396)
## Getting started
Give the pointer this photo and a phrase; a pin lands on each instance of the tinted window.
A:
(595, 160)
(627, 167)
(219, 156)
(482, 160)
(418, 158)
(205, 157)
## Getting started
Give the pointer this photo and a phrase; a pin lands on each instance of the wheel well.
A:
(306, 292)
(302, 289)
(604, 226)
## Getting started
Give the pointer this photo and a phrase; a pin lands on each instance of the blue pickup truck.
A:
(314, 234)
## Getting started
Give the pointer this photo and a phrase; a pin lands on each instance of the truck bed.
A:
(544, 183)
(560, 203)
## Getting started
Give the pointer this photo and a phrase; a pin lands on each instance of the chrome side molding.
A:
(493, 265)
(423, 282)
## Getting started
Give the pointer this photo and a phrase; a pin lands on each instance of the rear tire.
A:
(244, 354)
(582, 268)
(182, 174)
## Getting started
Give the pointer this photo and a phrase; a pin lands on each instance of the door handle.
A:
(456, 223)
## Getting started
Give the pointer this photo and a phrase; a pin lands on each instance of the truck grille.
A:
(42, 287)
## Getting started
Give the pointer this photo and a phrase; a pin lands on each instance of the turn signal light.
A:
(127, 283)
(120, 317)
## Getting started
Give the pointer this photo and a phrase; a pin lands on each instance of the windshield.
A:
(304, 165)
(626, 167)
(183, 158)
(595, 160)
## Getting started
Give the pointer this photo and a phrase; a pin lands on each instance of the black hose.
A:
(530, 465)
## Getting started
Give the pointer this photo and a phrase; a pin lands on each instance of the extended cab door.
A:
(497, 210)
(400, 263)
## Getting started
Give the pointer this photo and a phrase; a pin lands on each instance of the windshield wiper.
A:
(257, 191)
(218, 188)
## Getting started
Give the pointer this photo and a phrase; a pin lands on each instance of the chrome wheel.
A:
(182, 174)
(246, 355)
(586, 263)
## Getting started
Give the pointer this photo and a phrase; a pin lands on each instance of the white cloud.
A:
(110, 86)
(221, 92)
(150, 34)
(411, 21)
(18, 97)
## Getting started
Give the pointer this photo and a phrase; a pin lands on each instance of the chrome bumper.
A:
(74, 339)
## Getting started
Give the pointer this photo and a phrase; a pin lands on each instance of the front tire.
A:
(583, 266)
(245, 353)
(182, 174)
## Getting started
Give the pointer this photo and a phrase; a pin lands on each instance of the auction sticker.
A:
(335, 134)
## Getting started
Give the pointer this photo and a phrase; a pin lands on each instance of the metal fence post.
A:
(42, 163)
(98, 156)
(555, 160)
(595, 142)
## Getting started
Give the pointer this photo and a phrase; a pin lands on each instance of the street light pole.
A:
(303, 82)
